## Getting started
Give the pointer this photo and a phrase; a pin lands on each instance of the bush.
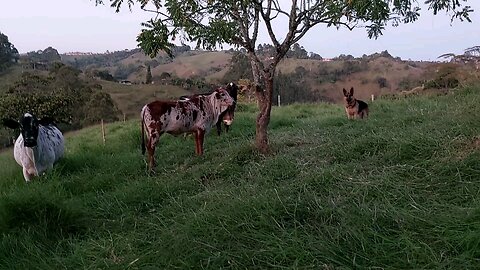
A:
(62, 96)
(407, 84)
(445, 77)
(382, 82)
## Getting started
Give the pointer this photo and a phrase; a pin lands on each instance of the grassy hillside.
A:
(131, 98)
(399, 190)
(198, 65)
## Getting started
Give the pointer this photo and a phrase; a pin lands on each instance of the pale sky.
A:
(79, 25)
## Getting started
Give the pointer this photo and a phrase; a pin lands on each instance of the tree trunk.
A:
(264, 96)
(263, 80)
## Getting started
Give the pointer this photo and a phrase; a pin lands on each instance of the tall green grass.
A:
(399, 190)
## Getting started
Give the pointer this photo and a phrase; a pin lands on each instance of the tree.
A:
(148, 79)
(297, 51)
(211, 23)
(239, 68)
(470, 55)
(8, 53)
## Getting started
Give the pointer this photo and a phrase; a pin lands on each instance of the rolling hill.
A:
(324, 78)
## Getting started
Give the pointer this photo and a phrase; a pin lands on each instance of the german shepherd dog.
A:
(353, 107)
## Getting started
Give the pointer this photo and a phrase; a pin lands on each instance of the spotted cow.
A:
(196, 115)
(39, 145)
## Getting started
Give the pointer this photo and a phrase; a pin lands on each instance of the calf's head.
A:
(29, 126)
(223, 98)
(232, 90)
(229, 114)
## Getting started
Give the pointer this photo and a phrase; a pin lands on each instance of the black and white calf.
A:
(39, 145)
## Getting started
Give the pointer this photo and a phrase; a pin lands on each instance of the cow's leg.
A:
(226, 128)
(199, 135)
(195, 134)
(152, 142)
(219, 127)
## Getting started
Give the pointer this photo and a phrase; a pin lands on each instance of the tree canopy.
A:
(8, 52)
(211, 23)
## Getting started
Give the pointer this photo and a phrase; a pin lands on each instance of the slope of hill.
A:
(199, 65)
(377, 74)
(131, 98)
(399, 190)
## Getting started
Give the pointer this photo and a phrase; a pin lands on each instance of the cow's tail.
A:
(143, 130)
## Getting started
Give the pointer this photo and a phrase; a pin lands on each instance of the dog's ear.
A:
(351, 91)
(344, 92)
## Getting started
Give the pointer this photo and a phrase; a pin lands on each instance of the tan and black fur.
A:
(354, 108)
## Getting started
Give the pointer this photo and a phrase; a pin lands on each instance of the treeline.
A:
(62, 94)
(112, 61)
(267, 50)
(98, 60)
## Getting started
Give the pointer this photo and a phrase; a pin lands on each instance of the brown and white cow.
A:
(196, 115)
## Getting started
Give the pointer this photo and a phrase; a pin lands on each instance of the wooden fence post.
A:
(103, 132)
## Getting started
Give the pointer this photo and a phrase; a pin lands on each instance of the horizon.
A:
(72, 53)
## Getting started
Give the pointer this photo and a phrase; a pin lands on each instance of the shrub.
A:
(382, 82)
(63, 96)
(445, 77)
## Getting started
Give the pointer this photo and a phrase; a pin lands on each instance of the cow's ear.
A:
(45, 121)
(351, 91)
(344, 92)
(10, 123)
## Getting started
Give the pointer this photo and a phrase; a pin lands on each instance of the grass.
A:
(399, 190)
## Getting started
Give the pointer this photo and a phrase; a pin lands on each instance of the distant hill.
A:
(301, 76)
(375, 74)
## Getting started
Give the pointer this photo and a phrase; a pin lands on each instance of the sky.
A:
(81, 26)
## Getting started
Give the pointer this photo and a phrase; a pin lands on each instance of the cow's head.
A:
(232, 90)
(28, 126)
(229, 114)
(222, 97)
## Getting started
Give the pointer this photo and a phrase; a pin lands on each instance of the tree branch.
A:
(267, 19)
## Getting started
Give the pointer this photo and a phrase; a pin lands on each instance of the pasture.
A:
(400, 190)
